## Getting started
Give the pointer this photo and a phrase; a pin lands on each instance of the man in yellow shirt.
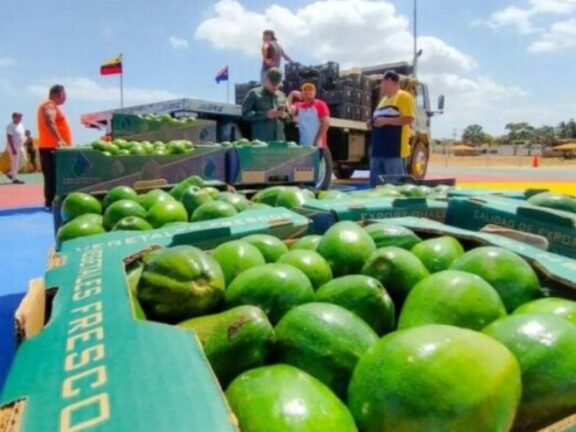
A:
(391, 130)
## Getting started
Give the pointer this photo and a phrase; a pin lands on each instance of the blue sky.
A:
(496, 61)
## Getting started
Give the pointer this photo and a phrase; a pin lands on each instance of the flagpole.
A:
(122, 83)
(228, 88)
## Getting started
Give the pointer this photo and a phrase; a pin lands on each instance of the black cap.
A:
(392, 76)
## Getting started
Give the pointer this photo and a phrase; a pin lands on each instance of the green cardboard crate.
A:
(199, 132)
(129, 126)
(514, 194)
(95, 366)
(555, 271)
(325, 213)
(89, 170)
(272, 165)
(557, 226)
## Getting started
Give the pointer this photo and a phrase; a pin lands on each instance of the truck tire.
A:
(325, 170)
(343, 173)
(418, 163)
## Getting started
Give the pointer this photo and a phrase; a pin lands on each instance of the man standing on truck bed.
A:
(391, 130)
(313, 116)
(272, 53)
(265, 108)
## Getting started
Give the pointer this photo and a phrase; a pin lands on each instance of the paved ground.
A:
(557, 179)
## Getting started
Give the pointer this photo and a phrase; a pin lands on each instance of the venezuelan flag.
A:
(112, 66)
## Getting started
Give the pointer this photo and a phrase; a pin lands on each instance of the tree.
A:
(545, 135)
(475, 135)
(520, 131)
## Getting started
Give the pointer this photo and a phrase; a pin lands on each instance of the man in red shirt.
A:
(313, 116)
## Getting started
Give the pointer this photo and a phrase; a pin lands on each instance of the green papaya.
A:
(281, 398)
(324, 340)
(387, 234)
(554, 201)
(180, 282)
(234, 341)
(364, 296)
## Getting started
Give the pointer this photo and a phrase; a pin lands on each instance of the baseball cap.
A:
(392, 76)
(274, 75)
(308, 86)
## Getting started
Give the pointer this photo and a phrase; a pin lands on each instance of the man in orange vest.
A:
(53, 132)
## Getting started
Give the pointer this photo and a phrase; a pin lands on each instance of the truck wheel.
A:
(419, 161)
(325, 169)
(343, 173)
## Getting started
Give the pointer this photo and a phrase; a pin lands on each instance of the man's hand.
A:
(272, 113)
(381, 121)
(281, 114)
(61, 143)
(296, 94)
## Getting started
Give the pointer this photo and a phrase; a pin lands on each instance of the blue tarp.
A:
(26, 236)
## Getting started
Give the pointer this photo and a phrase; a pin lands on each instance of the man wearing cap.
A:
(313, 116)
(391, 130)
(15, 137)
(265, 108)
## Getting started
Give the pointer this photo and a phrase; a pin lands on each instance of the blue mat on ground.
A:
(26, 236)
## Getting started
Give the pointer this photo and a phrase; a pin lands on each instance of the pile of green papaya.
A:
(369, 328)
(122, 208)
(122, 147)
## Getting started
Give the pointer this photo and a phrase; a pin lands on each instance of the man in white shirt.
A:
(15, 137)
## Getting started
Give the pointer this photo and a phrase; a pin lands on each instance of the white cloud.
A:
(560, 36)
(338, 30)
(514, 17)
(178, 43)
(6, 61)
(87, 90)
(344, 31)
(534, 18)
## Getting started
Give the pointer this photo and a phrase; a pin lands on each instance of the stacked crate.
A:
(241, 90)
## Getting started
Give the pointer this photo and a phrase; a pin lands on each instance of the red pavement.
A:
(26, 195)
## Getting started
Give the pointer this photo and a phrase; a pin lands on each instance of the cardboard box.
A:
(141, 187)
(324, 213)
(513, 194)
(95, 366)
(199, 132)
(134, 127)
(557, 226)
(272, 165)
(556, 272)
(89, 170)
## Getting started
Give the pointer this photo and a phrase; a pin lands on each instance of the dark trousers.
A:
(48, 161)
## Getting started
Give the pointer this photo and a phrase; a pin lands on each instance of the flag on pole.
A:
(112, 66)
(222, 75)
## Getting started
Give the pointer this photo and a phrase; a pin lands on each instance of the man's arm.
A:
(407, 113)
(250, 113)
(324, 126)
(10, 139)
(292, 107)
(50, 119)
(287, 57)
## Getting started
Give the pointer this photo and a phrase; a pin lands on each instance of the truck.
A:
(348, 140)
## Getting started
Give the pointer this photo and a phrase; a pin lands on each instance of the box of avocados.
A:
(87, 362)
(555, 271)
(272, 164)
(197, 131)
(131, 126)
(559, 227)
(324, 213)
(89, 170)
